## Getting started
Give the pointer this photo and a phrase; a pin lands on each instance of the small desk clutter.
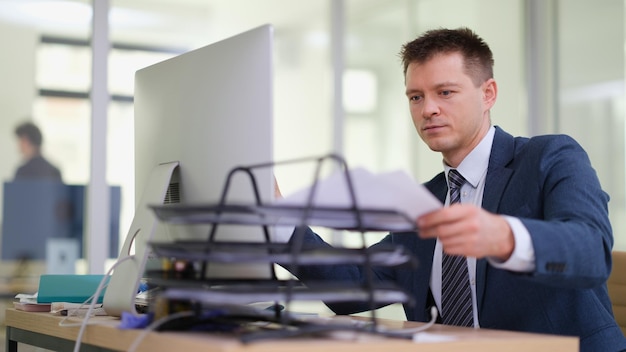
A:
(62, 293)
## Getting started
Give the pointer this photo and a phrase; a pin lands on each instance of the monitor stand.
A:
(124, 283)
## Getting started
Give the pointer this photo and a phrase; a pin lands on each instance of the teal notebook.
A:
(68, 288)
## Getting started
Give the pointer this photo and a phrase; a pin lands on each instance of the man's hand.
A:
(468, 230)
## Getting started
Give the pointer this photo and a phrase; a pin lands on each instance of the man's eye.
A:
(446, 92)
(415, 98)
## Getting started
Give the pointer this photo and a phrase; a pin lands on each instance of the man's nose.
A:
(431, 108)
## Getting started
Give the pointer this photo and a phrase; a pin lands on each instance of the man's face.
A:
(449, 112)
(27, 150)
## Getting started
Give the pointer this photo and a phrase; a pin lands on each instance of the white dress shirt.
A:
(474, 170)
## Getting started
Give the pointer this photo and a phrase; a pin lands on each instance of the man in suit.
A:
(531, 228)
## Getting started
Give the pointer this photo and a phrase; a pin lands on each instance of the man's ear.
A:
(490, 92)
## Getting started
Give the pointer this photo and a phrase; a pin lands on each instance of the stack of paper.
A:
(28, 302)
(387, 191)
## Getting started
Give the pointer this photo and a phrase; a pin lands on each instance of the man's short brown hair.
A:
(31, 132)
(477, 56)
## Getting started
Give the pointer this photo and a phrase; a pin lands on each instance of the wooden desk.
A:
(42, 330)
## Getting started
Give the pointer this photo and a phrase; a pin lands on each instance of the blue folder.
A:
(69, 288)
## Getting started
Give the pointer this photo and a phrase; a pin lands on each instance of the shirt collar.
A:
(475, 164)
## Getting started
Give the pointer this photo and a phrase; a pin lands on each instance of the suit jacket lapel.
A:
(498, 176)
(502, 151)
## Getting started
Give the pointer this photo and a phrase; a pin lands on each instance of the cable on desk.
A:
(74, 312)
(340, 329)
(409, 332)
(157, 324)
(94, 300)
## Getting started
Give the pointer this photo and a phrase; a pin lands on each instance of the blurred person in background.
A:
(34, 166)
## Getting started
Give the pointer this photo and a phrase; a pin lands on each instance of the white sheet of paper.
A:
(394, 190)
(429, 337)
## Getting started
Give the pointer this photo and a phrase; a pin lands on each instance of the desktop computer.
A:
(197, 116)
(38, 216)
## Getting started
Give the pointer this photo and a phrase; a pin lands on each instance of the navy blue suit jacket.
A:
(549, 184)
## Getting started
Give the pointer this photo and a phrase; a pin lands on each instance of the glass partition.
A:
(590, 63)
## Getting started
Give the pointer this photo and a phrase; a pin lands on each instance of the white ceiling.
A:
(184, 22)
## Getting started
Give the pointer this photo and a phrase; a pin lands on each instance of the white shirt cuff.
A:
(523, 257)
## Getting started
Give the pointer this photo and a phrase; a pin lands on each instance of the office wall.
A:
(17, 90)
(591, 96)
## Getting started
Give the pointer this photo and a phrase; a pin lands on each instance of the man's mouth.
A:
(431, 127)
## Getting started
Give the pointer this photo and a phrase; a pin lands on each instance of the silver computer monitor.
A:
(197, 116)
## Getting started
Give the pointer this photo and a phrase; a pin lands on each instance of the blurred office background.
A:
(338, 81)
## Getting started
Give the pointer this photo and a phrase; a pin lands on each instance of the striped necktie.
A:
(456, 294)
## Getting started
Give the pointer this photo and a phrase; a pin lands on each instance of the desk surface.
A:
(105, 334)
